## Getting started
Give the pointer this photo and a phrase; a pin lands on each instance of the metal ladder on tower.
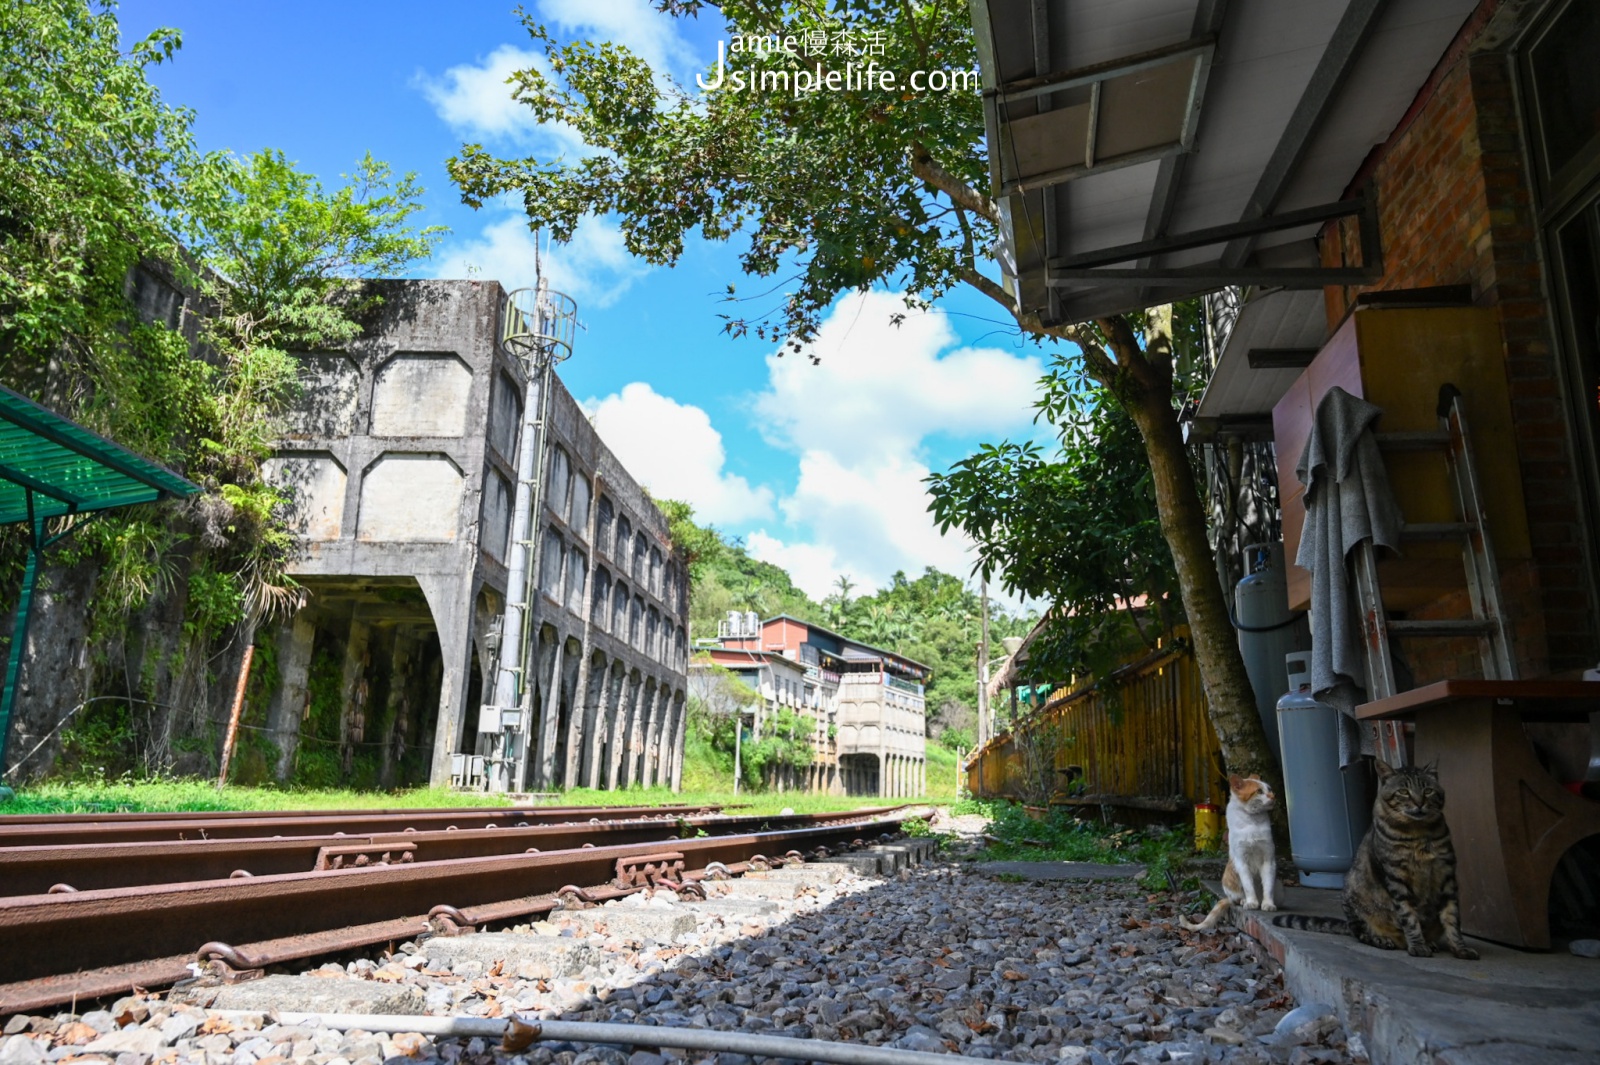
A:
(1487, 623)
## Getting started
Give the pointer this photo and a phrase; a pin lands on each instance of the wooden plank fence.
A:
(1140, 740)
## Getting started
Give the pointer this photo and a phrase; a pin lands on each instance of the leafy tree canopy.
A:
(836, 202)
(875, 183)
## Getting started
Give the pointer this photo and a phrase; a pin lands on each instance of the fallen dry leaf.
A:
(518, 1037)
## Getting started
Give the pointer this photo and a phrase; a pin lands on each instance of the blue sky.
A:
(818, 467)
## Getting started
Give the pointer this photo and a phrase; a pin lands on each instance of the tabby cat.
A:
(1401, 889)
(1251, 856)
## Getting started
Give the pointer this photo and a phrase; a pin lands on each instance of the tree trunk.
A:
(1141, 378)
(1230, 701)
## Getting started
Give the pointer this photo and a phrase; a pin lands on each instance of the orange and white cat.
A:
(1251, 877)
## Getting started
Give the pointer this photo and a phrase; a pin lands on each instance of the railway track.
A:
(141, 911)
(71, 829)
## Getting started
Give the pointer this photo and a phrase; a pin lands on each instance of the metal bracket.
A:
(361, 855)
(573, 897)
(649, 870)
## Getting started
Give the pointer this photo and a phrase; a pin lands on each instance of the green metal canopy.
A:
(67, 469)
(51, 467)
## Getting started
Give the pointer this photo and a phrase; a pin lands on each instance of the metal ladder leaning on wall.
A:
(1487, 622)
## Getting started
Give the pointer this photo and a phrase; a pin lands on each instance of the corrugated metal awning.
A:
(1273, 339)
(1148, 150)
(50, 467)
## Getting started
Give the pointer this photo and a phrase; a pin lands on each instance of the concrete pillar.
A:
(636, 731)
(578, 726)
(650, 760)
(617, 724)
(543, 768)
(289, 702)
(353, 692)
(624, 723)
(680, 721)
(450, 600)
(663, 773)
(594, 721)
(402, 653)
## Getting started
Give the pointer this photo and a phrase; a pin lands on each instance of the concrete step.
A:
(640, 924)
(524, 954)
(309, 994)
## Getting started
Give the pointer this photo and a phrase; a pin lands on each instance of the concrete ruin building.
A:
(401, 460)
(868, 703)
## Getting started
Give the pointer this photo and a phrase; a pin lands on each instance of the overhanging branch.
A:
(963, 194)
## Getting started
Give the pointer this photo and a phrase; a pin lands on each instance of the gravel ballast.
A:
(940, 958)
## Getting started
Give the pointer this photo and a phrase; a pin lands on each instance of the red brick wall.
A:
(1455, 208)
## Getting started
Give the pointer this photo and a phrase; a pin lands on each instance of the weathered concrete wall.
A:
(610, 617)
(143, 691)
(387, 458)
(401, 462)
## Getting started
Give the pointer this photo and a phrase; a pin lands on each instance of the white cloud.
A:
(881, 389)
(865, 522)
(474, 99)
(671, 449)
(635, 24)
(595, 268)
(859, 422)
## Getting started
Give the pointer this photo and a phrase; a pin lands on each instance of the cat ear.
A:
(1385, 771)
(1432, 768)
(1235, 782)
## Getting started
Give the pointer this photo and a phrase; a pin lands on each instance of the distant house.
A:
(868, 702)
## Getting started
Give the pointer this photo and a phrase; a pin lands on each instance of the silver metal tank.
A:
(1329, 807)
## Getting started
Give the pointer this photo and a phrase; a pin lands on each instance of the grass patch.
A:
(170, 795)
(1064, 838)
(173, 795)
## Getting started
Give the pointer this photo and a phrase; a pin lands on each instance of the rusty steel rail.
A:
(117, 817)
(98, 943)
(95, 866)
(57, 833)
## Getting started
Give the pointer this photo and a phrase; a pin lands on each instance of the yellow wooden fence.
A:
(1149, 746)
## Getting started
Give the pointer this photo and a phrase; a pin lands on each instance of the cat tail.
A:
(1300, 921)
(1211, 918)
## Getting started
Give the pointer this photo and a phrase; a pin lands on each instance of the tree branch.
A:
(989, 288)
(923, 165)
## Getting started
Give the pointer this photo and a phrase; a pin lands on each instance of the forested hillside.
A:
(934, 618)
(156, 293)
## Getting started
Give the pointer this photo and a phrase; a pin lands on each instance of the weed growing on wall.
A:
(155, 293)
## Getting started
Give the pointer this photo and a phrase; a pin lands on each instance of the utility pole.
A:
(738, 737)
(985, 724)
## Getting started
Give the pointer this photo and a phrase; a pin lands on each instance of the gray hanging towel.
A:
(1347, 500)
